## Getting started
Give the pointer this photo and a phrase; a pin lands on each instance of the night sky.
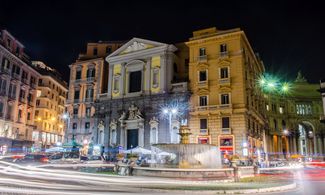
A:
(288, 35)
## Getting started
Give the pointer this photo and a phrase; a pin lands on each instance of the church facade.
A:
(143, 81)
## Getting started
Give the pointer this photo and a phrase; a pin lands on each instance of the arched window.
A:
(283, 124)
(275, 124)
(101, 137)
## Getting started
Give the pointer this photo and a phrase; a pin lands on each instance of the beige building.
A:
(18, 83)
(293, 121)
(226, 105)
(50, 107)
(88, 79)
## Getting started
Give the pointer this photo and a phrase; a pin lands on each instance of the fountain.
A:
(185, 155)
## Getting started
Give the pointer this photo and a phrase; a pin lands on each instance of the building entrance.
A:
(132, 138)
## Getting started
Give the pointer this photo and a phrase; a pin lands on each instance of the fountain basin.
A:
(185, 156)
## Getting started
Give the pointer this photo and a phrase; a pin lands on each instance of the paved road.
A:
(310, 180)
(30, 180)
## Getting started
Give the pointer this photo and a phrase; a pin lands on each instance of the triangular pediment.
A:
(134, 45)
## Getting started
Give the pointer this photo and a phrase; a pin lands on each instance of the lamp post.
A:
(66, 116)
(170, 112)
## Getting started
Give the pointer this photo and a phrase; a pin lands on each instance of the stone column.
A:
(315, 144)
(147, 77)
(320, 148)
(123, 137)
(294, 144)
(110, 79)
(141, 134)
(124, 81)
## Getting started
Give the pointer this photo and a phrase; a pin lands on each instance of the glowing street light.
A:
(285, 132)
(170, 112)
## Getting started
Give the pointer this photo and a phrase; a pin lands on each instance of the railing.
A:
(16, 76)
(90, 79)
(226, 130)
(33, 85)
(224, 54)
(22, 99)
(202, 84)
(88, 99)
(224, 81)
(203, 58)
(211, 107)
(25, 80)
(179, 87)
(4, 71)
(43, 85)
(30, 103)
(12, 96)
(3, 93)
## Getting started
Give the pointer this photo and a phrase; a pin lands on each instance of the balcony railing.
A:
(25, 81)
(22, 100)
(224, 81)
(12, 96)
(88, 99)
(16, 76)
(90, 79)
(203, 58)
(202, 84)
(3, 93)
(211, 107)
(179, 87)
(33, 85)
(224, 54)
(4, 71)
(226, 130)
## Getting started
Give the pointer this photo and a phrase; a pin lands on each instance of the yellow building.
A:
(50, 107)
(88, 79)
(226, 105)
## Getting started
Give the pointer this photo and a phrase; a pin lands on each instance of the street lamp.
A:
(170, 112)
(66, 116)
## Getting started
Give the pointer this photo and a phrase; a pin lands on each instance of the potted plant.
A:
(120, 156)
(133, 157)
(234, 159)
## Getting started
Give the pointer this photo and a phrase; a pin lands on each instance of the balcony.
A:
(223, 55)
(22, 100)
(79, 80)
(16, 76)
(3, 93)
(226, 131)
(206, 108)
(33, 85)
(202, 84)
(12, 96)
(224, 81)
(211, 108)
(87, 100)
(25, 81)
(30, 103)
(5, 71)
(43, 85)
(203, 58)
(90, 79)
(179, 87)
